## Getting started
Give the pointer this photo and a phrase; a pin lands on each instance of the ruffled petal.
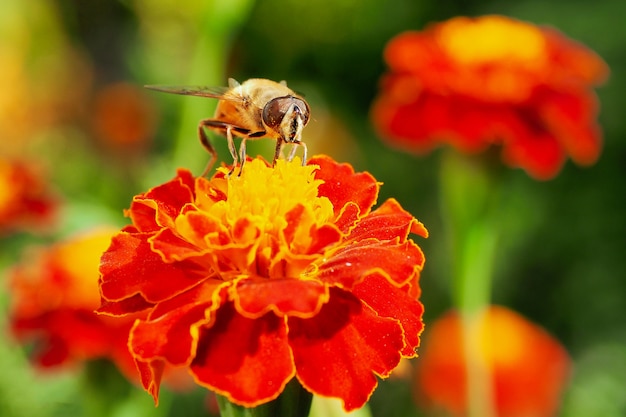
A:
(395, 303)
(350, 264)
(131, 267)
(339, 352)
(386, 223)
(151, 374)
(172, 336)
(342, 185)
(133, 304)
(160, 205)
(256, 297)
(247, 360)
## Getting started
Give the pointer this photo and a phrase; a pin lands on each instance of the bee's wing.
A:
(222, 93)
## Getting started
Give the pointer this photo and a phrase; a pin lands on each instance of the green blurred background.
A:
(562, 258)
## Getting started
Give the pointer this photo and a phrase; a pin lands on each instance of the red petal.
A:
(256, 297)
(151, 374)
(130, 267)
(570, 116)
(350, 264)
(247, 360)
(171, 330)
(171, 247)
(130, 305)
(347, 217)
(339, 351)
(170, 336)
(160, 205)
(538, 153)
(387, 222)
(396, 303)
(303, 237)
(342, 185)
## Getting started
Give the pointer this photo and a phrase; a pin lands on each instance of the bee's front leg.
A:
(278, 151)
(242, 155)
(231, 148)
(206, 143)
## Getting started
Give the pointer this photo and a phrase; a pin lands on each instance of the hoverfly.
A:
(255, 109)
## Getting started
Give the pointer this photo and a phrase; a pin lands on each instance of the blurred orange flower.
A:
(492, 80)
(281, 272)
(529, 367)
(26, 201)
(54, 293)
(124, 118)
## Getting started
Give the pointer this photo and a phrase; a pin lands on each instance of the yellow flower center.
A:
(269, 215)
(267, 194)
(493, 39)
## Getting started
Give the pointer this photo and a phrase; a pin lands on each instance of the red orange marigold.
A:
(54, 292)
(529, 368)
(476, 82)
(281, 272)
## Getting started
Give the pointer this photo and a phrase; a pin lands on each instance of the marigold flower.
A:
(529, 368)
(54, 294)
(26, 201)
(281, 272)
(492, 80)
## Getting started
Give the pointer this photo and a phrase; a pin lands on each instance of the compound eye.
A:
(274, 111)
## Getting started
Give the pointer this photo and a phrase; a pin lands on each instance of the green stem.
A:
(469, 200)
(294, 401)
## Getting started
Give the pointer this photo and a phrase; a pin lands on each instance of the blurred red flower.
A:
(492, 80)
(251, 280)
(26, 201)
(528, 367)
(54, 293)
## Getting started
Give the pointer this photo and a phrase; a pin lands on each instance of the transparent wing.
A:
(222, 93)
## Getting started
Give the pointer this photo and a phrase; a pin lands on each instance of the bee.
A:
(257, 108)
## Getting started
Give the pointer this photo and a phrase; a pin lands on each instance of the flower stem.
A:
(294, 401)
(469, 199)
(221, 20)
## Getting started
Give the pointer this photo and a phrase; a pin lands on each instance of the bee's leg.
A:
(242, 154)
(294, 148)
(304, 153)
(204, 139)
(231, 148)
(292, 152)
(277, 152)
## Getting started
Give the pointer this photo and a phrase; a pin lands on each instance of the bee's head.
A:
(286, 117)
